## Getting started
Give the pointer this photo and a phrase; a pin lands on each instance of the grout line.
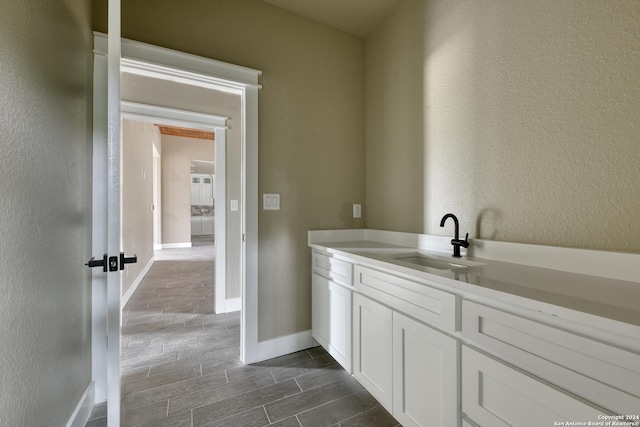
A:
(266, 413)
(360, 413)
(327, 402)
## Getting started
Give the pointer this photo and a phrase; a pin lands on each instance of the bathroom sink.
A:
(427, 261)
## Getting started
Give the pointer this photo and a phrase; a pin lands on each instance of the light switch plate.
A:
(357, 210)
(271, 202)
(234, 205)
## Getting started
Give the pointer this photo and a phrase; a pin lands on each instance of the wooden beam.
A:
(187, 133)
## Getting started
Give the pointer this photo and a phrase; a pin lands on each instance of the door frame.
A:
(208, 73)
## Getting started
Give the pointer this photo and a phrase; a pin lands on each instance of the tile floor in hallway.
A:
(180, 364)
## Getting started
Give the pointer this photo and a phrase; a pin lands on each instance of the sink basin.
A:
(427, 261)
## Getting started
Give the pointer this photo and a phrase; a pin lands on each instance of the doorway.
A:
(178, 67)
(156, 173)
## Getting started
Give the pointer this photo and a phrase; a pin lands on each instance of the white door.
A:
(107, 262)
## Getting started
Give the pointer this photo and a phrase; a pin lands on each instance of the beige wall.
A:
(45, 210)
(137, 195)
(525, 115)
(311, 132)
(177, 153)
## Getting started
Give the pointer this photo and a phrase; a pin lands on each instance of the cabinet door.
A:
(196, 184)
(206, 190)
(331, 319)
(320, 309)
(424, 375)
(207, 225)
(496, 395)
(340, 324)
(372, 348)
(196, 226)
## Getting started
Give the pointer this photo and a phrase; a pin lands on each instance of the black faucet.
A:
(456, 242)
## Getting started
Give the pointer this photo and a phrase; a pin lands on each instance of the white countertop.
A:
(607, 303)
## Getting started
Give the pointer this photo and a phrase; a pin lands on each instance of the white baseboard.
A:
(83, 409)
(232, 304)
(285, 345)
(127, 295)
(176, 245)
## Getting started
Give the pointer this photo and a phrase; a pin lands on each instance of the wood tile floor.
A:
(180, 364)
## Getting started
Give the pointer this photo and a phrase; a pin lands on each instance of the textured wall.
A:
(45, 210)
(530, 122)
(137, 195)
(311, 132)
(394, 123)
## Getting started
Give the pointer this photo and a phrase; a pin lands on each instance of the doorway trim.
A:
(208, 73)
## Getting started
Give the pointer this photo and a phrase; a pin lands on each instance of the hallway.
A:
(180, 363)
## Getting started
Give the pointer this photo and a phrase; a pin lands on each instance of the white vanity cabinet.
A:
(504, 345)
(331, 306)
(408, 366)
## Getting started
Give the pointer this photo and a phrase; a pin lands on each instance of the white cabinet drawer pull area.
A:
(334, 269)
(496, 395)
(596, 371)
(426, 304)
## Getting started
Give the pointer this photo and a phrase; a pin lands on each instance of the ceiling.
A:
(357, 17)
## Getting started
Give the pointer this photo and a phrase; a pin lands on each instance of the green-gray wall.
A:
(522, 117)
(311, 130)
(45, 209)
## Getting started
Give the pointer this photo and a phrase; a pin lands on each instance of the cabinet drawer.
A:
(334, 269)
(496, 395)
(601, 373)
(426, 304)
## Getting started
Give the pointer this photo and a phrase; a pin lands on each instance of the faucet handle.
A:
(465, 243)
